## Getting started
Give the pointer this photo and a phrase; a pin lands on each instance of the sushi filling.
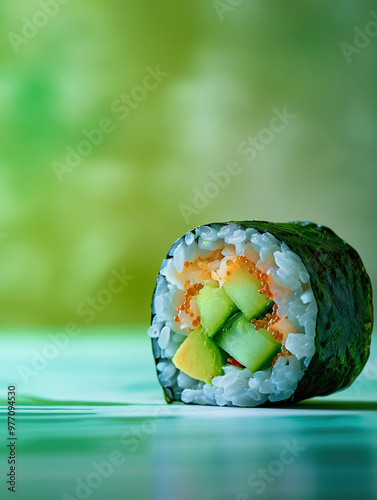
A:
(234, 318)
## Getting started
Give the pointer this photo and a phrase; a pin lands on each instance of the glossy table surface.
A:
(91, 422)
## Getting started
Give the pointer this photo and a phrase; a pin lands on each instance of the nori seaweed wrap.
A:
(252, 312)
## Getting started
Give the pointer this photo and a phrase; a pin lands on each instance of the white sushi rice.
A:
(237, 387)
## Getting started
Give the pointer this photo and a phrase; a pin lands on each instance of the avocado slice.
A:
(253, 348)
(243, 289)
(200, 357)
(215, 308)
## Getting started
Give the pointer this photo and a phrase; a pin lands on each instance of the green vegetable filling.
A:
(215, 307)
(243, 288)
(253, 348)
(226, 330)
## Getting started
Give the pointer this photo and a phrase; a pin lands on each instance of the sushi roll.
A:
(251, 313)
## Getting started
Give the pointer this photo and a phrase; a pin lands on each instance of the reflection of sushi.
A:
(250, 312)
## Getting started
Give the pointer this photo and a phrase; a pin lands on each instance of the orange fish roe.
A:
(199, 267)
(283, 354)
(185, 306)
(242, 262)
(200, 270)
(190, 293)
(280, 328)
(268, 320)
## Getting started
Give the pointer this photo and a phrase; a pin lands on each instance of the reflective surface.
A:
(109, 434)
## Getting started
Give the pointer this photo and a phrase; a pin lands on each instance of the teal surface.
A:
(92, 423)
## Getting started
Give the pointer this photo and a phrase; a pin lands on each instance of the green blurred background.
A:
(229, 67)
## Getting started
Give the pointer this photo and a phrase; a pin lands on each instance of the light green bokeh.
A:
(120, 208)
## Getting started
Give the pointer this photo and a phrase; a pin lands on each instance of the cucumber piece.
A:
(200, 357)
(215, 307)
(243, 289)
(253, 348)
